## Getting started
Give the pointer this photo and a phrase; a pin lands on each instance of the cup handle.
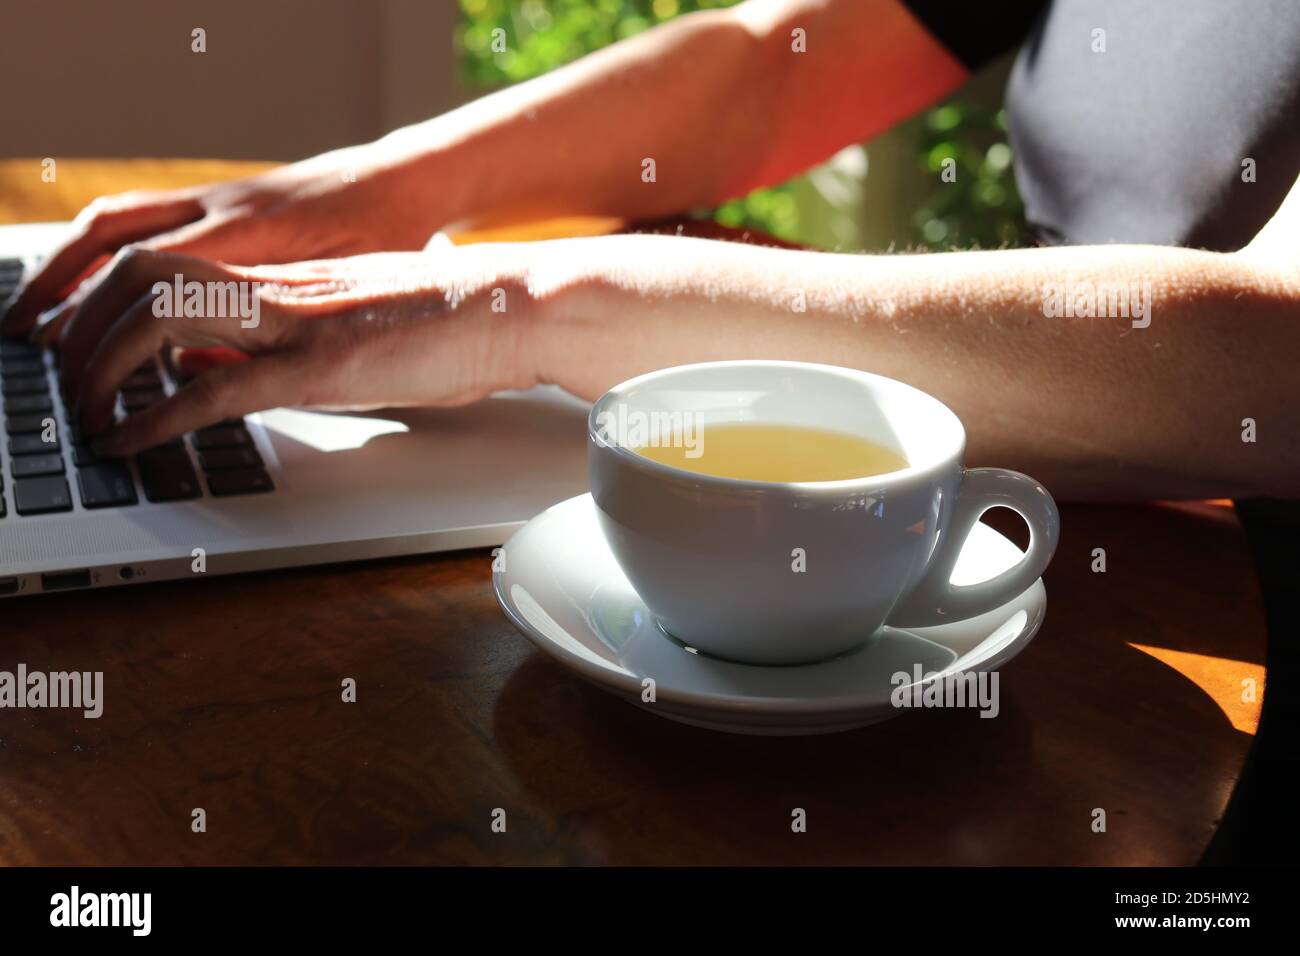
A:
(936, 600)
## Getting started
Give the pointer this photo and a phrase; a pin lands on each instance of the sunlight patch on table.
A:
(1224, 680)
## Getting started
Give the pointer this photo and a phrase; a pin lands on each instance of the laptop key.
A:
(31, 365)
(226, 459)
(26, 424)
(33, 444)
(106, 485)
(221, 436)
(82, 455)
(26, 404)
(245, 481)
(36, 496)
(13, 349)
(167, 474)
(30, 466)
(25, 385)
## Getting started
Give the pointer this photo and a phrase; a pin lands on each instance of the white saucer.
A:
(561, 586)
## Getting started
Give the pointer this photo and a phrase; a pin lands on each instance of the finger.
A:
(133, 273)
(209, 238)
(227, 392)
(139, 334)
(202, 239)
(50, 324)
(100, 229)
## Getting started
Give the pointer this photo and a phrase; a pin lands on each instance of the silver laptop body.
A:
(336, 487)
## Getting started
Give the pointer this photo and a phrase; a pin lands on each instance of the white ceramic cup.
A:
(716, 559)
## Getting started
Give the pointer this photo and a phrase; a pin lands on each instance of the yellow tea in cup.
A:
(755, 451)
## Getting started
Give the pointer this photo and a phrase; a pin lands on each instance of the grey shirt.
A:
(1173, 122)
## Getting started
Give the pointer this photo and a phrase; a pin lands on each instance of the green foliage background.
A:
(981, 208)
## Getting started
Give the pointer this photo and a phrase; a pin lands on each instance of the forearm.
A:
(720, 102)
(1094, 407)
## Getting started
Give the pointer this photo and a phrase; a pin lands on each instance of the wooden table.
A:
(224, 694)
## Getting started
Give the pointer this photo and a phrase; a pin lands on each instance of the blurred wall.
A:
(281, 79)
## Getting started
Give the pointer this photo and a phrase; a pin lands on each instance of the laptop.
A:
(277, 489)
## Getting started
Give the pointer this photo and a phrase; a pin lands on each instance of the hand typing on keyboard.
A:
(39, 431)
(362, 199)
(363, 332)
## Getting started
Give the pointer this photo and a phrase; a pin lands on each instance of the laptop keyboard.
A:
(49, 462)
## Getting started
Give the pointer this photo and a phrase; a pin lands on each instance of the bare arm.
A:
(1095, 407)
(722, 101)
(1148, 404)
